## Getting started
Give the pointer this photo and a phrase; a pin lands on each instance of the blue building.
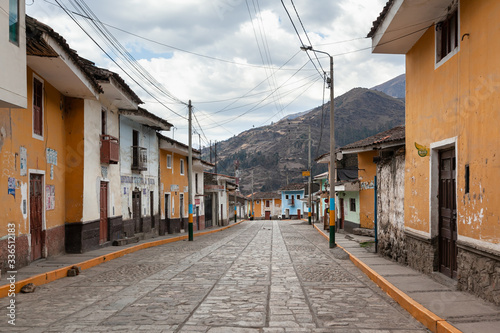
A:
(292, 201)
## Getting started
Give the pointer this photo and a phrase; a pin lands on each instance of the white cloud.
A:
(223, 29)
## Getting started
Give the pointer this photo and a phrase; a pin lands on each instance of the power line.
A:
(170, 46)
(298, 35)
(305, 32)
(113, 60)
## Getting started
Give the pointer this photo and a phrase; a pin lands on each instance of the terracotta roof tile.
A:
(394, 134)
(380, 18)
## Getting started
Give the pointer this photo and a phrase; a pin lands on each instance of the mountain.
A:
(395, 87)
(278, 153)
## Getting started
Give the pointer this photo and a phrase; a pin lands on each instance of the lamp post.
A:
(332, 150)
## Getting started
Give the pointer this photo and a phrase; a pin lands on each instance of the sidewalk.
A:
(47, 270)
(434, 301)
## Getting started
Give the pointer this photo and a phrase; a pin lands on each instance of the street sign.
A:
(306, 173)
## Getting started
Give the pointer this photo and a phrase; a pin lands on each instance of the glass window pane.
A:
(14, 21)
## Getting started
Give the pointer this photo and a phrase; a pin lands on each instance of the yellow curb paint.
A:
(432, 321)
(445, 327)
(60, 273)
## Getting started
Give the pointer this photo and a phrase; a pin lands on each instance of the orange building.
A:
(267, 205)
(36, 154)
(452, 189)
(174, 187)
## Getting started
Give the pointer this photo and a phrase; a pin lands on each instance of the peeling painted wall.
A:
(16, 141)
(459, 99)
(145, 181)
(390, 212)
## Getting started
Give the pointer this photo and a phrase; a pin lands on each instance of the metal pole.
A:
(251, 213)
(190, 170)
(310, 184)
(375, 220)
(333, 170)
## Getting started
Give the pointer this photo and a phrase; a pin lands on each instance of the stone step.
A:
(125, 241)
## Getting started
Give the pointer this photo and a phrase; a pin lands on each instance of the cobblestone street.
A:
(259, 276)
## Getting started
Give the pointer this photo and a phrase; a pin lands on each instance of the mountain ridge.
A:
(278, 153)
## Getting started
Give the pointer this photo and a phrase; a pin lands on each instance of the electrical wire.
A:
(114, 61)
(298, 35)
(123, 52)
(307, 36)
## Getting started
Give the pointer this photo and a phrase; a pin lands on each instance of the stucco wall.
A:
(145, 181)
(366, 174)
(459, 102)
(21, 155)
(390, 213)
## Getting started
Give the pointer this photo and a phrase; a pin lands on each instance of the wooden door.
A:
(152, 207)
(298, 213)
(447, 214)
(342, 213)
(103, 223)
(36, 209)
(268, 215)
(136, 210)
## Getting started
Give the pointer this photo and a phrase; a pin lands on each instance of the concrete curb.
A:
(60, 273)
(432, 321)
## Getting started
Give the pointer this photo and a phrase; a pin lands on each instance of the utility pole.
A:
(235, 190)
(333, 169)
(190, 171)
(310, 184)
(251, 213)
(215, 157)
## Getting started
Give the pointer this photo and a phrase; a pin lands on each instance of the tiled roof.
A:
(266, 195)
(37, 46)
(380, 18)
(293, 187)
(102, 74)
(394, 134)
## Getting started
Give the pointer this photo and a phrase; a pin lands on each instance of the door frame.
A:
(28, 210)
(436, 148)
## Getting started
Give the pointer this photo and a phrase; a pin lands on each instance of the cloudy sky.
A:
(238, 61)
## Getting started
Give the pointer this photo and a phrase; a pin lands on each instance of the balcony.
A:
(291, 202)
(139, 158)
(110, 149)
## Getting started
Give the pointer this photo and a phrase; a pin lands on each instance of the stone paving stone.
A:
(257, 277)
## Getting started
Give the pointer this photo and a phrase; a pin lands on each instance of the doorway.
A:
(152, 208)
(447, 214)
(103, 221)
(136, 210)
(167, 214)
(36, 221)
(342, 213)
(181, 210)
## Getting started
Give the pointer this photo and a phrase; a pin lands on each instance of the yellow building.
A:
(267, 205)
(37, 156)
(174, 187)
(452, 192)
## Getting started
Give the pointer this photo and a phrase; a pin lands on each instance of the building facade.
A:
(267, 205)
(139, 171)
(292, 201)
(13, 84)
(452, 199)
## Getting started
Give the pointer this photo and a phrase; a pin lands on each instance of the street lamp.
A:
(332, 150)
